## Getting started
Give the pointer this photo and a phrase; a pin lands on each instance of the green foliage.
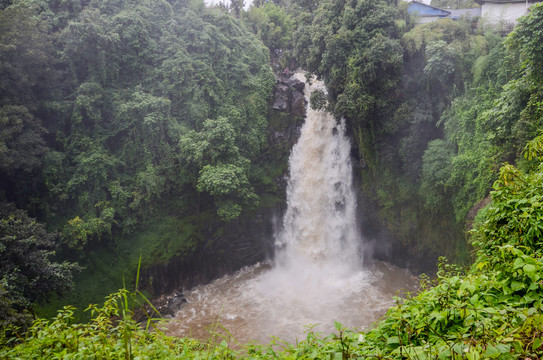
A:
(13, 320)
(220, 180)
(515, 216)
(21, 140)
(354, 47)
(452, 32)
(26, 57)
(78, 232)
(271, 24)
(476, 315)
(534, 148)
(318, 100)
(28, 271)
(526, 38)
(173, 231)
(215, 143)
(486, 126)
(441, 60)
(103, 108)
(223, 170)
(467, 157)
(26, 82)
(436, 173)
(227, 182)
(106, 338)
(130, 81)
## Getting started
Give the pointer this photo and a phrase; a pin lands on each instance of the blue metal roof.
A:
(417, 8)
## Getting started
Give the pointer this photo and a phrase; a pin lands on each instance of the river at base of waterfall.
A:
(261, 302)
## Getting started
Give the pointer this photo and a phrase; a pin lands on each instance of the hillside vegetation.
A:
(141, 130)
(434, 111)
(128, 128)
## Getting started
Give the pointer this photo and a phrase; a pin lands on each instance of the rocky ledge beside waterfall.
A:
(289, 94)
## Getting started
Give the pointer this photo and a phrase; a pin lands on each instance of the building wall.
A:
(508, 13)
(427, 19)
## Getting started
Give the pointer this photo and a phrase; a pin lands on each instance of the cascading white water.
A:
(317, 276)
(320, 224)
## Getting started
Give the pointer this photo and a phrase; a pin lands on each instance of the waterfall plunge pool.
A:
(260, 302)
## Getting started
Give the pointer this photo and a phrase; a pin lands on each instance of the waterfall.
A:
(319, 226)
(317, 262)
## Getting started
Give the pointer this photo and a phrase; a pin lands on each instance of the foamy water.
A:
(257, 303)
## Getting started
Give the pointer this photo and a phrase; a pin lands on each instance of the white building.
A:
(503, 13)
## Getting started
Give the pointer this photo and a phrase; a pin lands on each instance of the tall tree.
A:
(237, 6)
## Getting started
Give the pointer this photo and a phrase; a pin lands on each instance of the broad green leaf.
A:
(537, 343)
(530, 270)
(393, 341)
(519, 262)
(473, 354)
(516, 285)
(492, 352)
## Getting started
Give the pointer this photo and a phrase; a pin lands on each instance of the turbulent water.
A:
(319, 227)
(317, 276)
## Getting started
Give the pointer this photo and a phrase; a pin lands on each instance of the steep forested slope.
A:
(131, 127)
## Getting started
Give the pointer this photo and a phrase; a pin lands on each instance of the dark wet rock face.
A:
(298, 103)
(282, 94)
(289, 94)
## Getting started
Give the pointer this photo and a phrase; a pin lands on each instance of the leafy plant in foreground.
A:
(112, 333)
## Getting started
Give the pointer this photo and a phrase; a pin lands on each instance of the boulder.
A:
(289, 94)
(281, 100)
(298, 103)
(297, 84)
(166, 304)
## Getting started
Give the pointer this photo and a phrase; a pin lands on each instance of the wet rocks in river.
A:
(166, 305)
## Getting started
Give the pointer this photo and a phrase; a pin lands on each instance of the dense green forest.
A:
(139, 131)
(128, 128)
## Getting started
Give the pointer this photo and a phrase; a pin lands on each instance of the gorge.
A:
(156, 147)
(317, 276)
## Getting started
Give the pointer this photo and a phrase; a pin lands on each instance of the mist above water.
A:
(317, 276)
